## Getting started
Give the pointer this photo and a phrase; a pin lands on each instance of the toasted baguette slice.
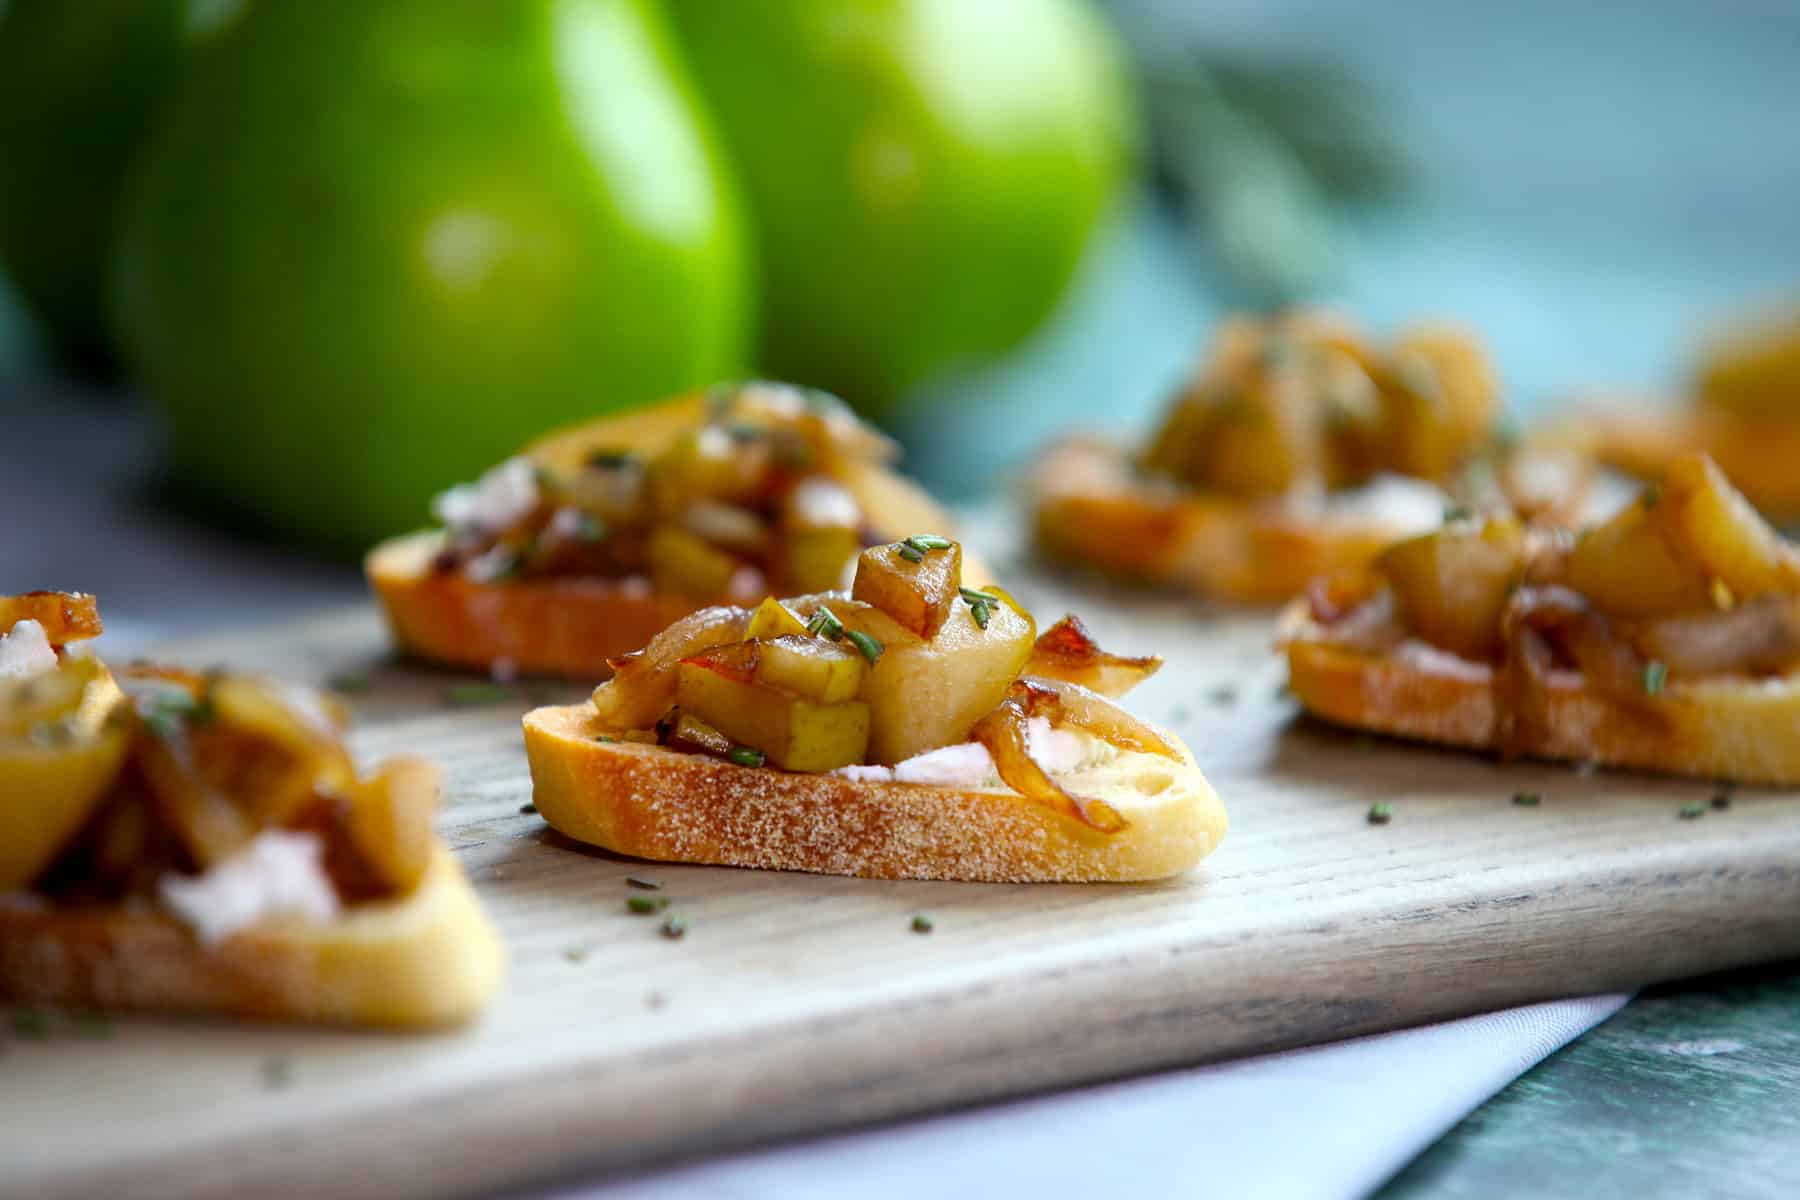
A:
(572, 626)
(649, 802)
(1727, 728)
(563, 626)
(425, 960)
(1088, 512)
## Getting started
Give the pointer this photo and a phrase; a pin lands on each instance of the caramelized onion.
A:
(1064, 703)
(1373, 626)
(1760, 636)
(1540, 624)
(1067, 651)
(643, 682)
(1006, 733)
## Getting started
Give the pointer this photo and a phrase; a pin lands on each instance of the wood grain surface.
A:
(799, 1003)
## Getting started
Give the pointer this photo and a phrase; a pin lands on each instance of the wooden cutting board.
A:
(800, 1003)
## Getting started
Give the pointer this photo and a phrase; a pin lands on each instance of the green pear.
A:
(79, 83)
(923, 174)
(371, 248)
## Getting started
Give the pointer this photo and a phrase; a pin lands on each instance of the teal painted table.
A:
(1692, 1090)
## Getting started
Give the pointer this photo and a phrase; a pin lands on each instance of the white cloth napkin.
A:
(1325, 1122)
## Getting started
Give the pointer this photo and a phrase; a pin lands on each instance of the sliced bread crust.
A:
(650, 802)
(1729, 728)
(425, 960)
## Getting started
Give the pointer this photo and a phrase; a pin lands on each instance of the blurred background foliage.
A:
(927, 204)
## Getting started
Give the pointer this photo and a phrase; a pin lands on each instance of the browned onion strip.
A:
(1005, 733)
(1068, 652)
(1064, 703)
(1759, 636)
(643, 682)
(1539, 622)
(1373, 626)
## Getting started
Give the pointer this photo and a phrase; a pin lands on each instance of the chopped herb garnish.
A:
(1652, 496)
(1721, 799)
(909, 552)
(1526, 799)
(645, 905)
(871, 648)
(467, 695)
(605, 738)
(1655, 675)
(1692, 811)
(642, 884)
(351, 683)
(922, 924)
(277, 1073)
(528, 810)
(610, 459)
(168, 711)
(825, 624)
(31, 1022)
(746, 756)
(575, 954)
(589, 528)
(928, 542)
(1457, 512)
(742, 432)
(1380, 813)
(981, 605)
(89, 1024)
(675, 927)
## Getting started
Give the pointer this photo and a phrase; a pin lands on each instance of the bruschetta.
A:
(588, 542)
(913, 727)
(1298, 449)
(184, 843)
(1666, 638)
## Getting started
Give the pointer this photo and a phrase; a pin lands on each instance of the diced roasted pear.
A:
(1451, 585)
(915, 582)
(299, 732)
(688, 732)
(1626, 567)
(821, 534)
(794, 733)
(812, 667)
(684, 563)
(1442, 394)
(926, 694)
(773, 619)
(1700, 512)
(390, 821)
(707, 463)
(60, 748)
(66, 616)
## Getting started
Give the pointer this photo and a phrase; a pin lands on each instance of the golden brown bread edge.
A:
(1212, 546)
(649, 802)
(426, 960)
(1729, 728)
(572, 626)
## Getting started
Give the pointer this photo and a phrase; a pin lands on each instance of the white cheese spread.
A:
(500, 498)
(277, 874)
(25, 651)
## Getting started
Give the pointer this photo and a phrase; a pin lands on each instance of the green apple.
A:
(79, 83)
(923, 174)
(371, 248)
